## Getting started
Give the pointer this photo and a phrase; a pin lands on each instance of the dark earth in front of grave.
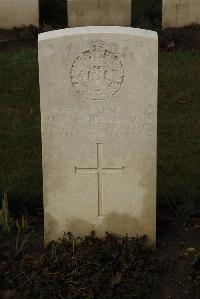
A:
(109, 268)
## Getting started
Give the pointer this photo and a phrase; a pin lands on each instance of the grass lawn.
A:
(178, 127)
(20, 145)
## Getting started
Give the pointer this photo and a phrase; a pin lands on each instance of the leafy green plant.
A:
(23, 225)
(7, 224)
(21, 241)
(23, 234)
(196, 269)
(6, 221)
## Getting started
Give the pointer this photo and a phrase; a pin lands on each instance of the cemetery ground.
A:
(109, 268)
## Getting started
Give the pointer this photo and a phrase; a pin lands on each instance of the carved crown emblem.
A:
(97, 74)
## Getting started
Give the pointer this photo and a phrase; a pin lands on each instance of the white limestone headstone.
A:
(99, 13)
(180, 13)
(99, 107)
(19, 13)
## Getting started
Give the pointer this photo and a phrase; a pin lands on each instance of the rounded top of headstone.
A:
(97, 30)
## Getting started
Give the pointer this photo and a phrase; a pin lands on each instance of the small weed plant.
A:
(6, 222)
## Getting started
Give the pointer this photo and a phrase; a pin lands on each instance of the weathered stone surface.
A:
(99, 107)
(99, 13)
(179, 13)
(19, 13)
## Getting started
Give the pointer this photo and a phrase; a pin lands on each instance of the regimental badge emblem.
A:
(97, 74)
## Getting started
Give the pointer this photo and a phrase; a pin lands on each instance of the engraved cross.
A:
(99, 171)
